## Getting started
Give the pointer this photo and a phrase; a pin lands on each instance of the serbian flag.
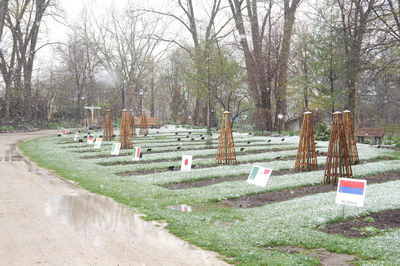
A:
(64, 132)
(351, 192)
(136, 154)
(186, 164)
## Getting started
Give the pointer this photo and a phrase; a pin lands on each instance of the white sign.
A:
(97, 144)
(136, 154)
(186, 208)
(351, 192)
(76, 136)
(90, 139)
(115, 148)
(186, 164)
(259, 176)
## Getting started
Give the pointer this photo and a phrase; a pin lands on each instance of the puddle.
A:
(327, 258)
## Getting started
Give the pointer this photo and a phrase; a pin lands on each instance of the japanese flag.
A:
(186, 164)
(136, 154)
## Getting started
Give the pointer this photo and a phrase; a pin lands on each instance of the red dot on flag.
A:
(186, 161)
(267, 171)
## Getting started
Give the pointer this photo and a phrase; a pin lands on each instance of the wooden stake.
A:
(143, 124)
(125, 131)
(337, 160)
(226, 147)
(132, 124)
(108, 132)
(351, 141)
(306, 158)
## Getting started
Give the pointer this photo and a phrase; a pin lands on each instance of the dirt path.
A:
(46, 220)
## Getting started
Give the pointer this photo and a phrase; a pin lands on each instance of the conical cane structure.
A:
(125, 131)
(226, 147)
(143, 124)
(337, 160)
(351, 140)
(132, 124)
(306, 158)
(108, 132)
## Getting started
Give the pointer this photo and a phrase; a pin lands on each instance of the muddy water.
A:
(45, 219)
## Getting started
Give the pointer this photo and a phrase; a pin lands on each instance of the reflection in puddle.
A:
(96, 217)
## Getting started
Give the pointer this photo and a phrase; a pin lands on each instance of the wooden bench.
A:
(375, 134)
(151, 122)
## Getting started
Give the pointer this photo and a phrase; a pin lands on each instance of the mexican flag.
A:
(186, 164)
(136, 154)
(259, 176)
(115, 148)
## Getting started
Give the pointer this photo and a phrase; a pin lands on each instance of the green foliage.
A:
(6, 128)
(323, 132)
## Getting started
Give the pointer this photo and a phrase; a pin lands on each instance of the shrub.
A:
(323, 132)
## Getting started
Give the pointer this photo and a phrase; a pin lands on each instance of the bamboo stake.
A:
(306, 157)
(108, 132)
(143, 124)
(338, 162)
(132, 123)
(350, 139)
(226, 147)
(125, 131)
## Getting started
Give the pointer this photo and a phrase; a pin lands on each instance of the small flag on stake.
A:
(76, 136)
(136, 153)
(259, 176)
(115, 148)
(64, 132)
(90, 139)
(186, 208)
(186, 164)
(351, 192)
(97, 144)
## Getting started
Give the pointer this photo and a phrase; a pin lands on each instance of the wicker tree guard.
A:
(306, 158)
(338, 162)
(132, 124)
(351, 141)
(226, 147)
(125, 131)
(143, 124)
(108, 132)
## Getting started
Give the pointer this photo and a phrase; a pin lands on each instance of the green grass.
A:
(240, 235)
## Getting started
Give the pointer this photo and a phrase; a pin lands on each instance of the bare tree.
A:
(126, 47)
(23, 20)
(355, 16)
(258, 71)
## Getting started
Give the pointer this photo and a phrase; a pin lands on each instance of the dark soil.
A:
(367, 225)
(207, 182)
(176, 167)
(144, 161)
(277, 196)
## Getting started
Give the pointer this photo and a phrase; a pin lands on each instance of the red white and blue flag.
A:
(136, 153)
(351, 192)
